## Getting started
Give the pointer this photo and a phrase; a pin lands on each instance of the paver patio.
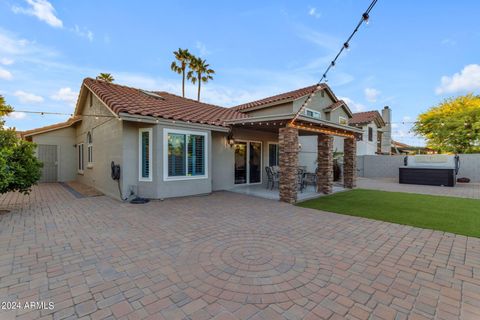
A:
(226, 256)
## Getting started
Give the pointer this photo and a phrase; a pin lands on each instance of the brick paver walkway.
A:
(226, 256)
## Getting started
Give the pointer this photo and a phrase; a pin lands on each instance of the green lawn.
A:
(456, 215)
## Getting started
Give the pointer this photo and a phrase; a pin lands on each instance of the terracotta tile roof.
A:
(365, 117)
(160, 104)
(51, 127)
(287, 96)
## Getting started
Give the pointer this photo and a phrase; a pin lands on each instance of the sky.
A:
(411, 56)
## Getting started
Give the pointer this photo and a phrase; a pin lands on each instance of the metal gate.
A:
(47, 154)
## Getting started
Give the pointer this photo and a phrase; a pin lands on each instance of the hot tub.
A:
(433, 170)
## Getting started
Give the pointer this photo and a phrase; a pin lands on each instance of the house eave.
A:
(154, 120)
(284, 117)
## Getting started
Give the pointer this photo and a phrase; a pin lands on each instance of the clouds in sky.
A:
(371, 94)
(314, 13)
(354, 106)
(43, 10)
(17, 115)
(27, 97)
(66, 95)
(5, 74)
(6, 61)
(202, 49)
(466, 80)
(84, 33)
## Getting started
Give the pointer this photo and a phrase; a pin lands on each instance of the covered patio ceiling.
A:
(305, 125)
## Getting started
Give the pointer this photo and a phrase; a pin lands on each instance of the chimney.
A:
(387, 130)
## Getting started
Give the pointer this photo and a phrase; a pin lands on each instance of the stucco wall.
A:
(365, 147)
(107, 146)
(285, 108)
(64, 139)
(223, 156)
(159, 188)
(308, 153)
(317, 103)
(384, 166)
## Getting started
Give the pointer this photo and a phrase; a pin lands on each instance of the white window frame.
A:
(167, 131)
(314, 112)
(80, 164)
(340, 119)
(150, 153)
(268, 151)
(89, 150)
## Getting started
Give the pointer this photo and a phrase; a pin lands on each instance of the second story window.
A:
(312, 113)
(370, 134)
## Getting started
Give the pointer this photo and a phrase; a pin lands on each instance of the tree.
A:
(199, 72)
(105, 77)
(183, 57)
(19, 168)
(453, 125)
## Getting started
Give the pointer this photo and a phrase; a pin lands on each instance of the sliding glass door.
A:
(255, 162)
(240, 162)
(248, 162)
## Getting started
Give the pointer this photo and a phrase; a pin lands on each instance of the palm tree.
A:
(199, 71)
(183, 57)
(107, 77)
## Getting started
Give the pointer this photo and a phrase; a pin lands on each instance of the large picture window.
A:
(145, 154)
(185, 154)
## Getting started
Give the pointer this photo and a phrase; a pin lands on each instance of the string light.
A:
(365, 18)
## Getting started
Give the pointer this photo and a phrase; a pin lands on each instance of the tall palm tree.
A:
(105, 77)
(199, 72)
(183, 57)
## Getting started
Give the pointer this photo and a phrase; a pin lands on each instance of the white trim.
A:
(166, 131)
(150, 154)
(248, 162)
(80, 147)
(268, 151)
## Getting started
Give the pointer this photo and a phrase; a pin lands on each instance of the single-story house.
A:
(169, 146)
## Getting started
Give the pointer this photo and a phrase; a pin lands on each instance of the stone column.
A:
(288, 144)
(325, 163)
(350, 163)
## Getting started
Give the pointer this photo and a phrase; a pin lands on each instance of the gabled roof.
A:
(123, 99)
(56, 126)
(338, 104)
(284, 97)
(361, 118)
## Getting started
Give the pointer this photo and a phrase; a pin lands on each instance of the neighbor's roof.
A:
(282, 97)
(360, 118)
(123, 99)
(51, 127)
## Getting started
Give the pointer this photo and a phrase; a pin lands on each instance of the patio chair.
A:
(272, 177)
(301, 179)
(310, 179)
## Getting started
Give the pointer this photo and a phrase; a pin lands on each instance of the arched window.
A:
(89, 149)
